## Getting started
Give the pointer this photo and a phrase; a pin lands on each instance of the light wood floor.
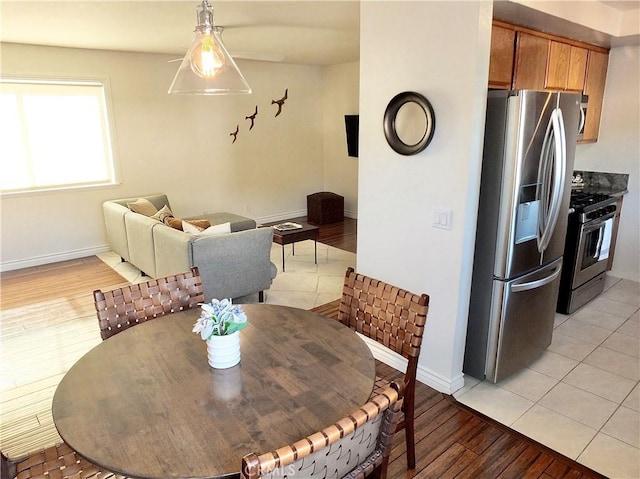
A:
(47, 322)
(342, 235)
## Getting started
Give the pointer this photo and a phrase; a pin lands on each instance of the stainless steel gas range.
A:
(586, 252)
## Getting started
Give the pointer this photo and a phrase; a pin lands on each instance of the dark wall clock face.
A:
(409, 123)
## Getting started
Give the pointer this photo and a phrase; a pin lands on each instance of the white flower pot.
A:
(224, 351)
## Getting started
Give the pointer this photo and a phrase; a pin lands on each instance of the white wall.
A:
(594, 14)
(618, 151)
(439, 49)
(179, 145)
(341, 97)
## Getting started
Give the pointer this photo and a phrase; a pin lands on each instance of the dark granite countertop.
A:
(613, 184)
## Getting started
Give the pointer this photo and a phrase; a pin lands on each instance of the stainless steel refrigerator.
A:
(529, 147)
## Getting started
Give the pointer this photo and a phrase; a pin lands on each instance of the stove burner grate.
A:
(581, 200)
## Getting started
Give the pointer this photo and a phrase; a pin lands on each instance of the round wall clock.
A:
(409, 123)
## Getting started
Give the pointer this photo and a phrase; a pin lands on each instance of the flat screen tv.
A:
(351, 123)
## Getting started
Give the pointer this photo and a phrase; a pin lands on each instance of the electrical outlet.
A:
(442, 218)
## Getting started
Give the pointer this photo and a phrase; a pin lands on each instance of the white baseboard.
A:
(294, 214)
(53, 258)
(281, 216)
(424, 375)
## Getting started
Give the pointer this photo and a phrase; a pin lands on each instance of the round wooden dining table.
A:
(145, 403)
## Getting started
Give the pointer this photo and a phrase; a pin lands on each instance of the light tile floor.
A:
(582, 397)
(304, 284)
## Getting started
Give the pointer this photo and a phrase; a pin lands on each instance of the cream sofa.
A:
(233, 265)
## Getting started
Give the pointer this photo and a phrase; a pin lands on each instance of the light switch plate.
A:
(442, 218)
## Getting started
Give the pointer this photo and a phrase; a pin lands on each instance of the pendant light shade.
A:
(208, 68)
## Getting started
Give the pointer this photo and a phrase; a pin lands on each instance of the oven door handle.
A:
(596, 254)
(595, 224)
(598, 225)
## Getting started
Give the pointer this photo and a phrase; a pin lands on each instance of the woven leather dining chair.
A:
(355, 447)
(55, 462)
(396, 319)
(124, 307)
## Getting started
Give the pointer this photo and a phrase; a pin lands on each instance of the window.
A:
(53, 134)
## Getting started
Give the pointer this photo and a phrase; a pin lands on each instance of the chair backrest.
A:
(59, 462)
(353, 447)
(124, 307)
(392, 316)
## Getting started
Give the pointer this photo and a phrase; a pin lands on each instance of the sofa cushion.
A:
(143, 206)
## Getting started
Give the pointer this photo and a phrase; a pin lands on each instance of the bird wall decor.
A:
(252, 117)
(281, 101)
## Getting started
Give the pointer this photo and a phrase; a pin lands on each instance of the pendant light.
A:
(208, 68)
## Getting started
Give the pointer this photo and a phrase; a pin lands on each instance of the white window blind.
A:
(53, 134)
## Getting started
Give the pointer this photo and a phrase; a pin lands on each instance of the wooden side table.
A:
(307, 232)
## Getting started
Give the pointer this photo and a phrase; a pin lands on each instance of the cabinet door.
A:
(501, 59)
(566, 67)
(594, 88)
(577, 69)
(558, 66)
(531, 62)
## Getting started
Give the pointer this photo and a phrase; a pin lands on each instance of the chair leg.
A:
(261, 297)
(409, 413)
(8, 467)
(411, 447)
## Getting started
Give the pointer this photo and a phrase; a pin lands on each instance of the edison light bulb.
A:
(206, 57)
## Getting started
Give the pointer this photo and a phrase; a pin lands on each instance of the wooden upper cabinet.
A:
(526, 59)
(501, 59)
(558, 66)
(566, 67)
(532, 52)
(594, 88)
(577, 69)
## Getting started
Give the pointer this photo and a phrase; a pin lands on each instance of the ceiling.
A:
(599, 22)
(305, 31)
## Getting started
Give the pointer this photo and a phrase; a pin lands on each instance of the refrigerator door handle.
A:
(549, 216)
(583, 118)
(543, 192)
(517, 288)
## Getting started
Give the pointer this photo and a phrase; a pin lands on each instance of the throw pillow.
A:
(202, 224)
(164, 213)
(173, 222)
(143, 206)
(191, 228)
(221, 229)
